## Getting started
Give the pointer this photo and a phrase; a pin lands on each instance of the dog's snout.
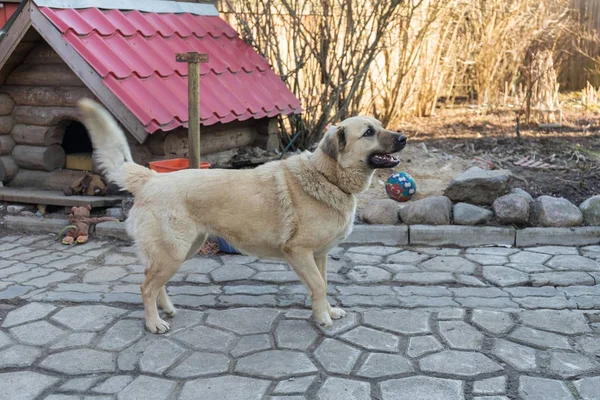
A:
(400, 138)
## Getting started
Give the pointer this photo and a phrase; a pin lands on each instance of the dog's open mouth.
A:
(384, 160)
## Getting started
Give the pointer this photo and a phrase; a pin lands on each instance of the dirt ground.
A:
(443, 146)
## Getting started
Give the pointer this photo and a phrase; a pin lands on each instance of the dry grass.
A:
(396, 59)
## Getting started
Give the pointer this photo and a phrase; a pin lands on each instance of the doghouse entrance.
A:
(78, 147)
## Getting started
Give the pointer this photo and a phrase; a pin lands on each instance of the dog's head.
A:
(362, 142)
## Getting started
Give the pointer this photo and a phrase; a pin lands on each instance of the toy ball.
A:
(400, 186)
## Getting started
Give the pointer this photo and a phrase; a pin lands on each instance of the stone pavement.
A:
(424, 323)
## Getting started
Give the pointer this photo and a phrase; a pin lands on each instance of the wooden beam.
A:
(88, 75)
(13, 36)
(193, 59)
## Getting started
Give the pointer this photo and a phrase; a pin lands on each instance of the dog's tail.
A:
(111, 149)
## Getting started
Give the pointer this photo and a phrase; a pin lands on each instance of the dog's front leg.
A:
(303, 262)
(321, 261)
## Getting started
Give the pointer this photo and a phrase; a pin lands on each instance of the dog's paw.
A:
(171, 312)
(158, 326)
(336, 313)
(323, 319)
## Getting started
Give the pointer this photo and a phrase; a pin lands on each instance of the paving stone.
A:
(449, 264)
(100, 288)
(27, 313)
(587, 302)
(575, 291)
(294, 385)
(333, 388)
(490, 386)
(264, 267)
(340, 325)
(422, 388)
(15, 291)
(520, 357)
(371, 339)
(588, 388)
(37, 333)
(461, 335)
(528, 257)
(47, 280)
(225, 388)
(199, 265)
(561, 279)
(193, 278)
(424, 278)
(247, 300)
(251, 343)
(491, 398)
(231, 273)
(80, 361)
(336, 357)
(541, 339)
(569, 365)
(358, 258)
(422, 301)
(160, 356)
(405, 322)
(589, 344)
(486, 302)
(367, 290)
(486, 259)
(24, 385)
(148, 388)
(528, 268)
(543, 291)
(395, 268)
(276, 277)
(236, 259)
(494, 251)
(555, 250)
(19, 356)
(77, 339)
(557, 302)
(206, 338)
(454, 313)
(250, 289)
(243, 321)
(533, 388)
(114, 384)
(407, 257)
(430, 291)
(4, 340)
(459, 363)
(367, 273)
(298, 314)
(374, 250)
(200, 364)
(490, 292)
(30, 274)
(294, 334)
(79, 384)
(469, 280)
(89, 318)
(504, 276)
(437, 251)
(104, 274)
(275, 364)
(573, 263)
(567, 323)
(69, 397)
(379, 365)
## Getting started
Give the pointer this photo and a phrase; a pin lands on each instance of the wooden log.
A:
(56, 180)
(176, 142)
(39, 158)
(46, 96)
(6, 124)
(47, 116)
(43, 75)
(156, 143)
(43, 54)
(222, 158)
(6, 145)
(37, 135)
(6, 104)
(8, 169)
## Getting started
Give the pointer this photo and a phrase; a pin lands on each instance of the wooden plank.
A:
(88, 75)
(55, 198)
(14, 35)
(192, 57)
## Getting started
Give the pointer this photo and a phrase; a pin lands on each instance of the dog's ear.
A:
(334, 141)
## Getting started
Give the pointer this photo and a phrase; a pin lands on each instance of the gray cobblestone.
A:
(294, 334)
(18, 356)
(533, 388)
(353, 390)
(24, 385)
(275, 364)
(569, 365)
(37, 333)
(200, 364)
(422, 388)
(504, 276)
(399, 321)
(420, 345)
(490, 386)
(461, 335)
(336, 357)
(148, 388)
(372, 339)
(294, 385)
(562, 279)
(520, 357)
(541, 339)
(225, 388)
(80, 361)
(459, 363)
(449, 264)
(588, 388)
(27, 313)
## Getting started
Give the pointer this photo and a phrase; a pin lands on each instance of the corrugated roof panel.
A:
(134, 53)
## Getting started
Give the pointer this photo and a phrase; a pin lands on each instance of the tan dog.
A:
(296, 209)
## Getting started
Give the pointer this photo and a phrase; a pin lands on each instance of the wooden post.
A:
(193, 59)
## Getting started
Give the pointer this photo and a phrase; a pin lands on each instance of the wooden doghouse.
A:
(122, 53)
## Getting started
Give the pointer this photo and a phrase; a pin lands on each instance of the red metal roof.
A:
(6, 10)
(134, 53)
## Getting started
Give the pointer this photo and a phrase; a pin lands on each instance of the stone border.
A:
(390, 235)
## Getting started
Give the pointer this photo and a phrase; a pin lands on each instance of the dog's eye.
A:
(369, 132)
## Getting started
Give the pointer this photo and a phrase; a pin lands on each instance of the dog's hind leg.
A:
(303, 262)
(321, 261)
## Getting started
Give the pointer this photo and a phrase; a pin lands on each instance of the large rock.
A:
(468, 214)
(479, 186)
(521, 192)
(590, 209)
(511, 209)
(429, 211)
(380, 212)
(555, 212)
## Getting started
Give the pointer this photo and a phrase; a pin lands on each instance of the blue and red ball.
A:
(400, 186)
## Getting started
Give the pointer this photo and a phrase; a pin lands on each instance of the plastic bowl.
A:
(175, 164)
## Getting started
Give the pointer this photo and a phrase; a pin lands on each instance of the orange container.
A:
(175, 164)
